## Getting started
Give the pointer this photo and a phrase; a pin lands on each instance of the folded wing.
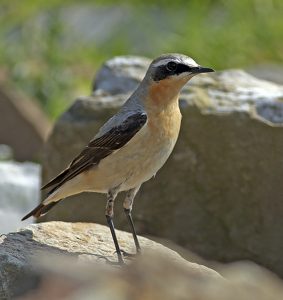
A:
(99, 148)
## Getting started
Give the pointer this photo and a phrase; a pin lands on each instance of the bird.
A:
(131, 146)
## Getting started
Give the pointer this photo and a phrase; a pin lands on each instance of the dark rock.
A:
(23, 126)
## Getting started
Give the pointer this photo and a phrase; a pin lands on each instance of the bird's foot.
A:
(129, 255)
(120, 263)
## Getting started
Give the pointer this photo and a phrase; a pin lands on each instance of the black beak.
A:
(200, 69)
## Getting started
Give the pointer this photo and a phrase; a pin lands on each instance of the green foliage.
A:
(41, 54)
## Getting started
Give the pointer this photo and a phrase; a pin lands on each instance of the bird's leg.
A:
(128, 205)
(109, 213)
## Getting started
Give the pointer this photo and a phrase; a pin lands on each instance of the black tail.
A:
(40, 210)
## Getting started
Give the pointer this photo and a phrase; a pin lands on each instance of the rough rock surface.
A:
(90, 243)
(220, 193)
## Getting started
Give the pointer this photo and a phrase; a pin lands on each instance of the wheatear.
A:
(132, 146)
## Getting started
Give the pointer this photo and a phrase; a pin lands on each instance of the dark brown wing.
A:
(100, 148)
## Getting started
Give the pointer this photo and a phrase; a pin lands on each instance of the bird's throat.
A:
(163, 94)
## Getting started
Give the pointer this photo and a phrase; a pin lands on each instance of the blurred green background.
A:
(51, 49)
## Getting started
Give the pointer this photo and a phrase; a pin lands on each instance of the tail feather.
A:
(40, 210)
(54, 184)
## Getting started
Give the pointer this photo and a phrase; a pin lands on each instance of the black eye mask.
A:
(171, 68)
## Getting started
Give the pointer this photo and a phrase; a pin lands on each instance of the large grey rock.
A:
(120, 74)
(19, 190)
(220, 194)
(22, 251)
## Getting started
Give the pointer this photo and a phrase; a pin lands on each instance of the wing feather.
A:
(99, 148)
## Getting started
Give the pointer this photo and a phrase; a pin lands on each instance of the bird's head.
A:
(175, 67)
(167, 75)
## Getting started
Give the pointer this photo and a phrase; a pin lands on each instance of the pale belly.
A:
(134, 164)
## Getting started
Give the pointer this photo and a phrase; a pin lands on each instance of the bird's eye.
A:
(171, 66)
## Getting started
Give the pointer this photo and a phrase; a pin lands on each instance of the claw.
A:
(128, 255)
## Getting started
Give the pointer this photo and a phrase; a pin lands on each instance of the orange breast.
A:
(165, 91)
(165, 124)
